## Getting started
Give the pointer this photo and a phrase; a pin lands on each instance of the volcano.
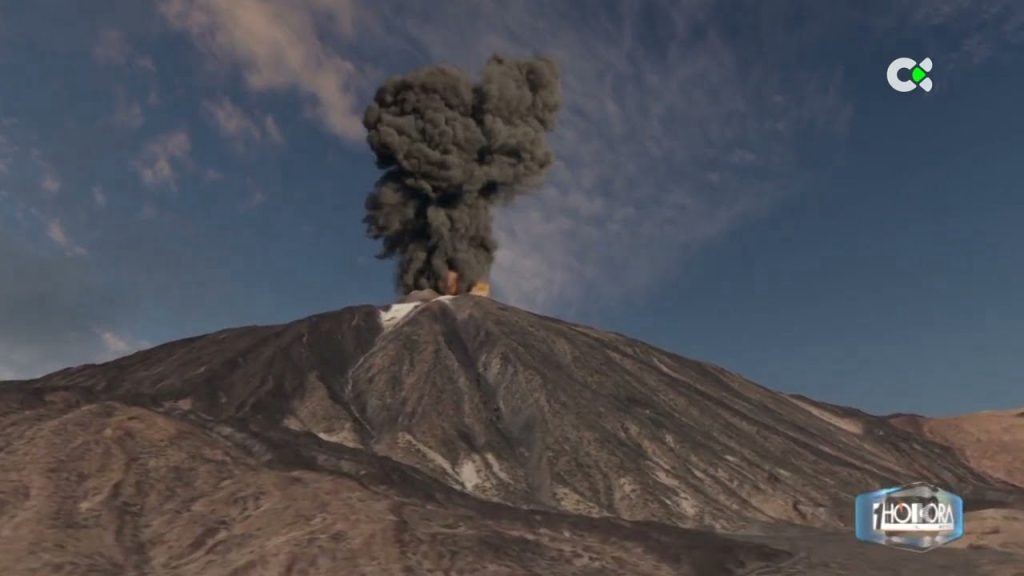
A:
(456, 435)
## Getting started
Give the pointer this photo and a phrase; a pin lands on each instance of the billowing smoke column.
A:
(453, 150)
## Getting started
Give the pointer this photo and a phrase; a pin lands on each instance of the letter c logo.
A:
(918, 74)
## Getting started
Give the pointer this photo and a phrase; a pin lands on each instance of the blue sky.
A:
(735, 181)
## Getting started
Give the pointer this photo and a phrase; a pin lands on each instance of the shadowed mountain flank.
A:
(454, 436)
(107, 488)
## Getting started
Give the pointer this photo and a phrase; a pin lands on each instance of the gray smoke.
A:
(453, 150)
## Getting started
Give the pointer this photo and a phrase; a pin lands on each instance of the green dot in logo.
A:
(917, 74)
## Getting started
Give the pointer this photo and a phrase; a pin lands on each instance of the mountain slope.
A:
(990, 441)
(106, 488)
(534, 412)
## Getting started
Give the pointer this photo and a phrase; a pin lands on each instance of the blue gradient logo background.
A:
(926, 533)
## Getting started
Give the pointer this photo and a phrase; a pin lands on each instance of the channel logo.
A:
(918, 76)
(916, 517)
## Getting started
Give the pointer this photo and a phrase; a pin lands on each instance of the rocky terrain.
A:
(991, 441)
(457, 436)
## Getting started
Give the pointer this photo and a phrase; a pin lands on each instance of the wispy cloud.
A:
(128, 113)
(670, 136)
(257, 198)
(239, 126)
(977, 29)
(280, 46)
(272, 130)
(162, 157)
(49, 180)
(232, 121)
(55, 231)
(50, 183)
(116, 345)
(113, 49)
(99, 197)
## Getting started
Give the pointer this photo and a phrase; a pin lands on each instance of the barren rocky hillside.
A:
(457, 436)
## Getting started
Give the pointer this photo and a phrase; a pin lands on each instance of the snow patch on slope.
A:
(395, 313)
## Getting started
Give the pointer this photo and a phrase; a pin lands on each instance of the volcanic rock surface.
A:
(455, 436)
(992, 441)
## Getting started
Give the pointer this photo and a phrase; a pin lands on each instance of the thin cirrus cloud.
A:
(112, 49)
(278, 46)
(117, 345)
(977, 30)
(162, 157)
(128, 113)
(49, 180)
(55, 231)
(50, 183)
(667, 138)
(238, 126)
(99, 197)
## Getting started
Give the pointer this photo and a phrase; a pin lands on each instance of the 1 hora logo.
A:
(916, 517)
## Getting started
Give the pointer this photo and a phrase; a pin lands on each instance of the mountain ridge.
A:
(467, 396)
(344, 375)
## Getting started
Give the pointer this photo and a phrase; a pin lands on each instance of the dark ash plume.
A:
(453, 150)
